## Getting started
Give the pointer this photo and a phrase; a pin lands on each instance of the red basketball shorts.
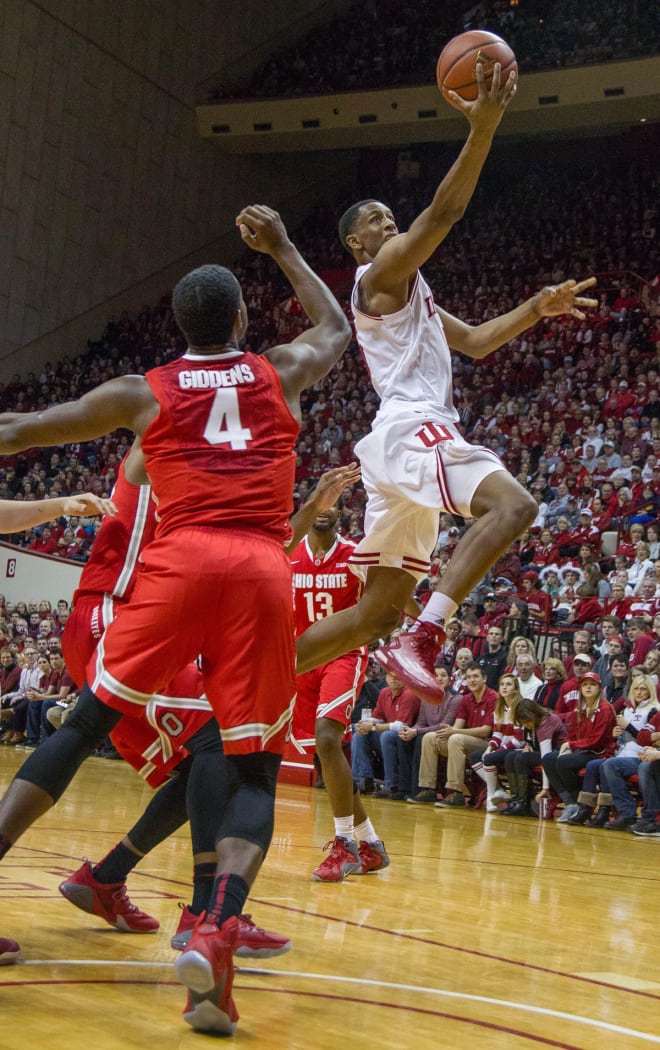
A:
(222, 593)
(329, 691)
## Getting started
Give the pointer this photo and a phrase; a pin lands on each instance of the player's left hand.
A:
(565, 298)
(87, 505)
(262, 228)
(331, 485)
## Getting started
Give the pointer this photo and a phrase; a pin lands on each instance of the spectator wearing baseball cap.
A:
(494, 612)
(589, 736)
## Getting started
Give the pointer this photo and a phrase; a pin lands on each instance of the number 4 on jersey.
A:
(224, 426)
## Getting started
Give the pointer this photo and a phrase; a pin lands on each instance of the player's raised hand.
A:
(331, 485)
(565, 298)
(262, 228)
(87, 505)
(486, 111)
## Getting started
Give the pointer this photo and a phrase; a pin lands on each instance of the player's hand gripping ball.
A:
(457, 65)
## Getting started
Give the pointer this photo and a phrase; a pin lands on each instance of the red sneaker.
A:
(107, 900)
(411, 657)
(206, 967)
(342, 860)
(373, 857)
(253, 942)
(10, 951)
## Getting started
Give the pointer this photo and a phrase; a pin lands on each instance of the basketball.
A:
(457, 65)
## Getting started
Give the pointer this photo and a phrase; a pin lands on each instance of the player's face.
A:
(375, 225)
(327, 520)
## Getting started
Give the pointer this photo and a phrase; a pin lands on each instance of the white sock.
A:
(344, 827)
(438, 609)
(364, 832)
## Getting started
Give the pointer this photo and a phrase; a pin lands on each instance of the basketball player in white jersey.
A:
(415, 462)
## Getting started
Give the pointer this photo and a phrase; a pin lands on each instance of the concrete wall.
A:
(107, 194)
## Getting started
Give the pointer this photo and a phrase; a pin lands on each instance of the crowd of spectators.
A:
(572, 407)
(397, 42)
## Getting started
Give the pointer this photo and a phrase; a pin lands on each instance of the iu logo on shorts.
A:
(431, 434)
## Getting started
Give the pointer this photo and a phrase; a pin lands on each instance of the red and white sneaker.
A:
(342, 860)
(411, 657)
(107, 900)
(206, 968)
(253, 942)
(10, 951)
(373, 857)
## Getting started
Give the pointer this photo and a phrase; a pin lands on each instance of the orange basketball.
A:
(457, 65)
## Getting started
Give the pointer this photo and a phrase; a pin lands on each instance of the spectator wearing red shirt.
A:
(46, 543)
(395, 708)
(494, 613)
(539, 602)
(641, 639)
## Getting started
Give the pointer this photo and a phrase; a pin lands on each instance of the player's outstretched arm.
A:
(312, 354)
(401, 256)
(481, 340)
(16, 515)
(124, 402)
(328, 490)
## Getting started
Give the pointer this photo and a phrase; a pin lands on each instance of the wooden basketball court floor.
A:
(485, 931)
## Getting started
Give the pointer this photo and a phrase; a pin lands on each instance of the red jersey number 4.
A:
(224, 427)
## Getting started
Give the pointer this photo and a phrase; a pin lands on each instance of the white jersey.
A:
(407, 354)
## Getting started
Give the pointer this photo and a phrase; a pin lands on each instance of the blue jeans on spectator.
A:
(649, 785)
(613, 779)
(408, 758)
(562, 772)
(361, 765)
(592, 781)
(33, 726)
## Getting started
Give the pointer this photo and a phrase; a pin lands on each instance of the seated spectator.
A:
(618, 604)
(640, 638)
(649, 783)
(473, 723)
(395, 708)
(539, 603)
(507, 735)
(471, 637)
(458, 678)
(582, 640)
(520, 646)
(644, 603)
(61, 692)
(493, 657)
(620, 678)
(494, 612)
(35, 694)
(589, 735)
(430, 718)
(547, 734)
(587, 610)
(615, 646)
(10, 674)
(554, 675)
(641, 706)
(529, 681)
(640, 567)
(569, 693)
(517, 623)
(448, 648)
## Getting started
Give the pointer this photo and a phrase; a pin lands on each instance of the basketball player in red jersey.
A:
(14, 517)
(415, 462)
(161, 747)
(217, 429)
(324, 584)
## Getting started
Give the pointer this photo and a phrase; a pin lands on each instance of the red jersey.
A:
(112, 568)
(220, 450)
(323, 585)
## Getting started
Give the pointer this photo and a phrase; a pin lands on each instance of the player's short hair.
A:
(348, 220)
(205, 303)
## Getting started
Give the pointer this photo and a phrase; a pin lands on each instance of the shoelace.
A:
(120, 897)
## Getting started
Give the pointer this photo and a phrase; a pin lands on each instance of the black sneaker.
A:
(648, 829)
(425, 795)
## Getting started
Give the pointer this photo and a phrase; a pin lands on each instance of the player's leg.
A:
(502, 509)
(386, 594)
(257, 658)
(46, 774)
